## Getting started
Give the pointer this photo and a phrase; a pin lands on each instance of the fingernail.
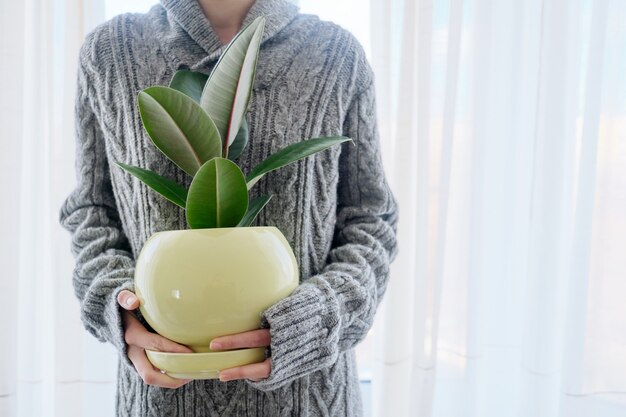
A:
(131, 300)
(223, 377)
(215, 345)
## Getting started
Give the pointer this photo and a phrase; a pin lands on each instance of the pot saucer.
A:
(203, 365)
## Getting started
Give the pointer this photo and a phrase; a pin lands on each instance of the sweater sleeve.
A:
(333, 311)
(104, 262)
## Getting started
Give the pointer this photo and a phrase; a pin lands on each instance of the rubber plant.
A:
(199, 123)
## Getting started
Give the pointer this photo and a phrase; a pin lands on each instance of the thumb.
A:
(128, 300)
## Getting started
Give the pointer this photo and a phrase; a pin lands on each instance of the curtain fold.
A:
(508, 123)
(48, 366)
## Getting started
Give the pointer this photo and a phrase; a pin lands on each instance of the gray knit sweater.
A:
(335, 208)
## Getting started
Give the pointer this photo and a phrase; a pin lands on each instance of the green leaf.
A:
(253, 210)
(227, 92)
(169, 189)
(218, 196)
(240, 141)
(179, 127)
(190, 83)
(292, 153)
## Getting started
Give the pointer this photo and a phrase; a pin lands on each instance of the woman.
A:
(335, 209)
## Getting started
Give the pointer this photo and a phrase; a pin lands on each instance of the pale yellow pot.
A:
(195, 285)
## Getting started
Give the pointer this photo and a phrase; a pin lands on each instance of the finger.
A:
(254, 338)
(136, 334)
(127, 300)
(255, 371)
(148, 373)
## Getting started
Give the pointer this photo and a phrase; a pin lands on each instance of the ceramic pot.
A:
(195, 285)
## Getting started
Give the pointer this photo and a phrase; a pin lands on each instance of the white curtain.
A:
(508, 125)
(49, 366)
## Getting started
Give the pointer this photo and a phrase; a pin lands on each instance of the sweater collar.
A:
(189, 15)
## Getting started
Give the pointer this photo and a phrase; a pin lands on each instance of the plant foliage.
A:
(199, 123)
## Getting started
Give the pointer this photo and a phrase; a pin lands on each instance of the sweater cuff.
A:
(304, 329)
(101, 313)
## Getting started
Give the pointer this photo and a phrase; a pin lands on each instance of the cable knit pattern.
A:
(335, 208)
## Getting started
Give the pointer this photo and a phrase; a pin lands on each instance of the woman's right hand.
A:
(138, 339)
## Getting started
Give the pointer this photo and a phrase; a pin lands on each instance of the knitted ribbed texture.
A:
(335, 208)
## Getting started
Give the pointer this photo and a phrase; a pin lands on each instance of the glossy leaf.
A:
(227, 92)
(254, 209)
(179, 127)
(190, 83)
(169, 189)
(240, 142)
(218, 196)
(292, 153)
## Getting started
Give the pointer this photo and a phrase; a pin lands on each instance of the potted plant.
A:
(191, 286)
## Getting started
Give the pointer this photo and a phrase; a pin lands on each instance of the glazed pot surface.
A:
(195, 285)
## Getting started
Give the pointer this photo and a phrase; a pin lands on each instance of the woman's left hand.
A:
(251, 339)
